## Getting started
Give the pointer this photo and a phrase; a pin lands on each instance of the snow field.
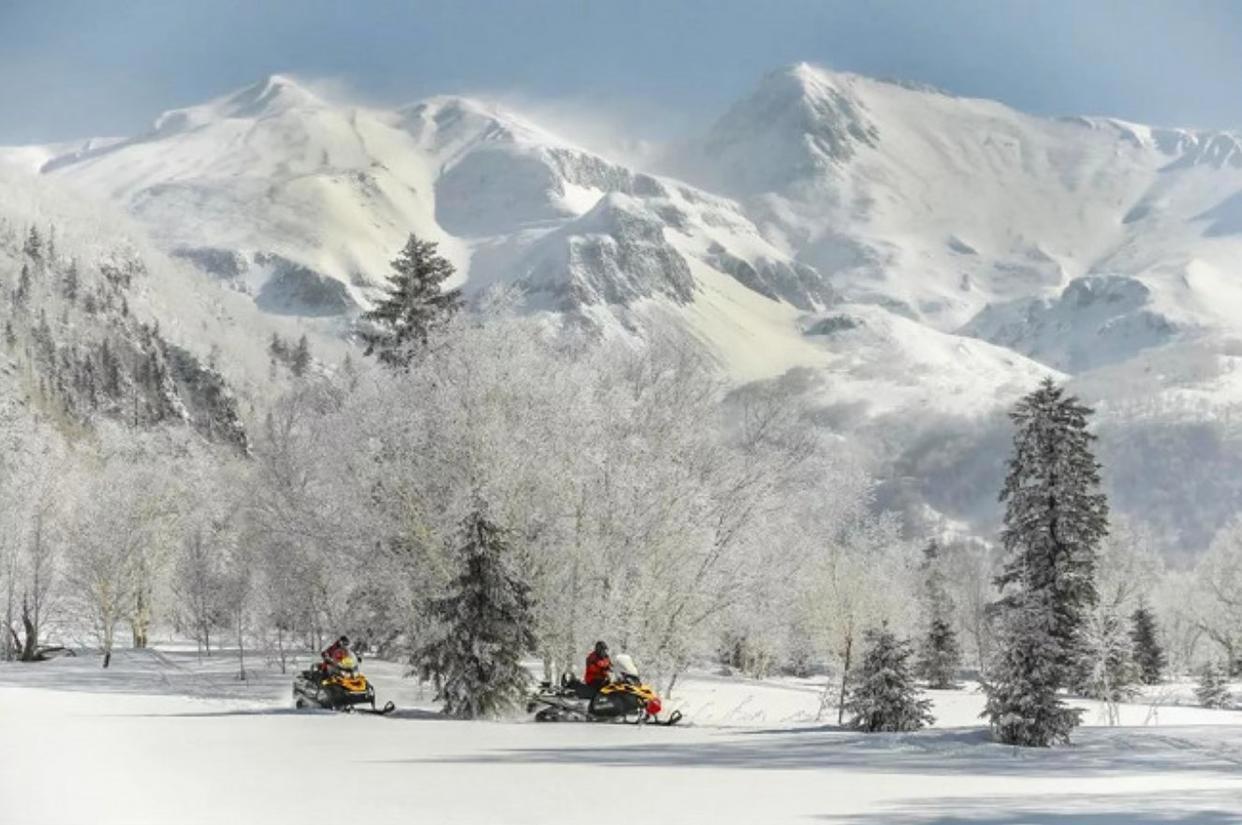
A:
(160, 738)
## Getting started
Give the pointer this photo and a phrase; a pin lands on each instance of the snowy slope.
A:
(296, 200)
(940, 205)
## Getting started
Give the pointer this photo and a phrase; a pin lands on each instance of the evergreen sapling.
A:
(487, 620)
(884, 695)
(939, 654)
(1148, 654)
(1212, 690)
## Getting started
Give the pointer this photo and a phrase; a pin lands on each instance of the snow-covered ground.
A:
(161, 738)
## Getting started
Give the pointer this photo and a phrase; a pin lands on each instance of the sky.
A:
(77, 68)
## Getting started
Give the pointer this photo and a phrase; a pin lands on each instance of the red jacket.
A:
(335, 652)
(597, 669)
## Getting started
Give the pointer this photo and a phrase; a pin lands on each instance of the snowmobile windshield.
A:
(624, 665)
(347, 662)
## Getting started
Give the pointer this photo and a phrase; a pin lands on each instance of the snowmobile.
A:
(625, 699)
(337, 685)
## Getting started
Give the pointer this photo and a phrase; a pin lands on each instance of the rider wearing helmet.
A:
(598, 667)
(337, 651)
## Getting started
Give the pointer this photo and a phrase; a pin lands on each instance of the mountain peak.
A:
(273, 95)
(799, 120)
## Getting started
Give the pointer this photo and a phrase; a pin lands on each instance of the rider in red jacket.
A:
(336, 651)
(598, 667)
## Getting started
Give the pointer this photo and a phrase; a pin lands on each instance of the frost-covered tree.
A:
(123, 515)
(414, 308)
(1216, 606)
(970, 568)
(1055, 518)
(200, 586)
(1024, 706)
(1213, 689)
(939, 653)
(883, 695)
(487, 621)
(1111, 674)
(1149, 654)
(1055, 514)
(858, 583)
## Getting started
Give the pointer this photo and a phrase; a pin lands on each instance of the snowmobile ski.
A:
(388, 708)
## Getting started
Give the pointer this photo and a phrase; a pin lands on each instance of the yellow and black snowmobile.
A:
(336, 685)
(625, 699)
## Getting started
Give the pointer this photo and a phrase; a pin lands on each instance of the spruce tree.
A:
(884, 695)
(415, 307)
(69, 286)
(487, 621)
(34, 245)
(1055, 517)
(300, 359)
(1212, 690)
(1148, 654)
(1023, 705)
(23, 286)
(939, 654)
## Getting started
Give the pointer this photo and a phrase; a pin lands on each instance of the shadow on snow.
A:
(963, 751)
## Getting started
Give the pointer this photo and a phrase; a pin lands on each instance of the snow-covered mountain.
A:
(898, 254)
(937, 205)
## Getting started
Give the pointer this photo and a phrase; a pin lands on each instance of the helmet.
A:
(343, 641)
(601, 648)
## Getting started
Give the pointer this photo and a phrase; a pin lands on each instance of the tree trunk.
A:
(11, 642)
(141, 621)
(30, 650)
(845, 678)
(241, 651)
(109, 636)
(280, 647)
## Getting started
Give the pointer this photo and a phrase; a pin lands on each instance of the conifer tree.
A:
(1212, 690)
(1023, 705)
(1148, 654)
(1055, 518)
(884, 695)
(69, 286)
(939, 654)
(487, 620)
(34, 245)
(300, 358)
(23, 285)
(415, 307)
